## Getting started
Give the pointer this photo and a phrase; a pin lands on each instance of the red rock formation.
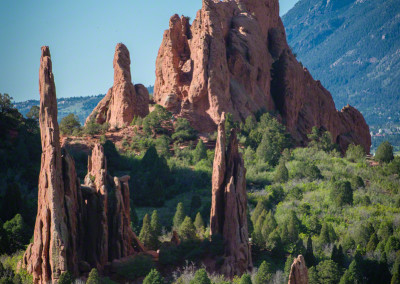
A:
(235, 58)
(52, 251)
(124, 100)
(298, 271)
(77, 227)
(229, 204)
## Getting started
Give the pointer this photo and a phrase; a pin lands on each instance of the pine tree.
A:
(146, 235)
(200, 152)
(257, 234)
(313, 276)
(200, 277)
(246, 279)
(396, 272)
(257, 212)
(309, 255)
(187, 231)
(293, 231)
(179, 216)
(269, 225)
(282, 173)
(155, 224)
(199, 224)
(264, 273)
(353, 274)
(372, 243)
(94, 277)
(154, 277)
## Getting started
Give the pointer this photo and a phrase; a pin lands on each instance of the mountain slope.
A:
(353, 47)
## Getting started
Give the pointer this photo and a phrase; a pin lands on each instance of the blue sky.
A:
(82, 36)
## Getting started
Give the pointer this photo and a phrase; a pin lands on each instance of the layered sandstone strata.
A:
(228, 216)
(235, 58)
(123, 100)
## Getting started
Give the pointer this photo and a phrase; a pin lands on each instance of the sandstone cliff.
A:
(235, 58)
(298, 271)
(228, 216)
(77, 227)
(124, 100)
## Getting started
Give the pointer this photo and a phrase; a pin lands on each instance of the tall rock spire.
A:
(228, 216)
(46, 258)
(298, 271)
(124, 100)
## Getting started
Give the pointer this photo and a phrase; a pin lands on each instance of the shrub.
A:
(139, 266)
(355, 153)
(200, 152)
(264, 274)
(65, 278)
(94, 277)
(201, 277)
(183, 131)
(384, 153)
(154, 277)
(69, 123)
(246, 279)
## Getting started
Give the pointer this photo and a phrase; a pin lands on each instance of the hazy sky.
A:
(82, 36)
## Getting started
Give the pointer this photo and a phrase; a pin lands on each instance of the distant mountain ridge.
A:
(353, 48)
(80, 106)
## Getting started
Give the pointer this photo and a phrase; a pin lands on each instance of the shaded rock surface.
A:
(123, 100)
(228, 216)
(77, 227)
(235, 58)
(298, 271)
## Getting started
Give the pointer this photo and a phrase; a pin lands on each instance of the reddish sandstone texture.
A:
(228, 216)
(298, 271)
(235, 58)
(124, 100)
(77, 227)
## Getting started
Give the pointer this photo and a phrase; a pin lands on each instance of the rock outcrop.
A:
(228, 216)
(298, 271)
(77, 226)
(123, 100)
(235, 58)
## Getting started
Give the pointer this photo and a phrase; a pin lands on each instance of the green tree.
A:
(353, 274)
(384, 153)
(155, 223)
(396, 272)
(200, 152)
(245, 279)
(94, 277)
(179, 216)
(372, 243)
(313, 277)
(69, 123)
(195, 203)
(146, 235)
(341, 193)
(18, 232)
(392, 245)
(327, 234)
(268, 226)
(293, 227)
(309, 255)
(183, 130)
(328, 272)
(199, 224)
(187, 231)
(66, 278)
(200, 277)
(154, 277)
(322, 140)
(33, 113)
(264, 273)
(282, 173)
(257, 211)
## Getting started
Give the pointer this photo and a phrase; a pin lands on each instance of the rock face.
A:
(124, 100)
(235, 58)
(229, 204)
(298, 271)
(77, 227)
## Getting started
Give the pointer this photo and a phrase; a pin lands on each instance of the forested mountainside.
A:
(353, 47)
